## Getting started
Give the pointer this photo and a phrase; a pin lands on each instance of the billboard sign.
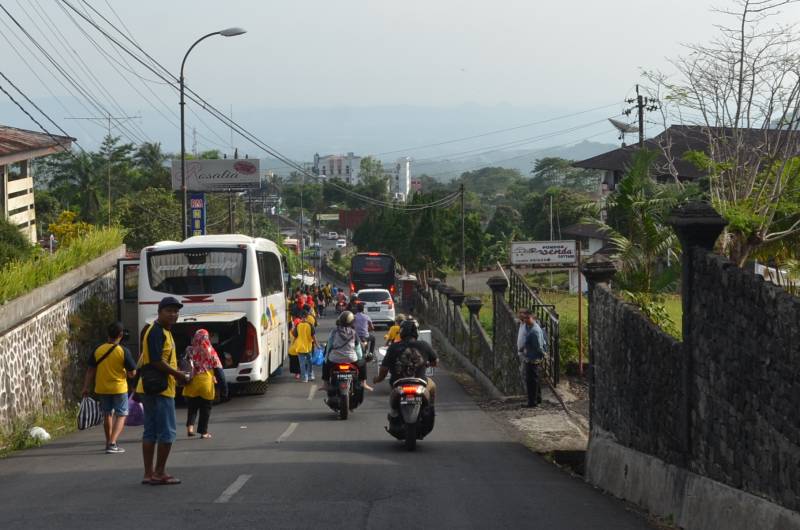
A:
(197, 214)
(218, 175)
(327, 217)
(544, 253)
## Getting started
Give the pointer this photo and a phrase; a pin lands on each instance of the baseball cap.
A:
(168, 301)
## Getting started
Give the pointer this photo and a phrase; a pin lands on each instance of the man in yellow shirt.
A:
(393, 335)
(110, 365)
(305, 341)
(159, 358)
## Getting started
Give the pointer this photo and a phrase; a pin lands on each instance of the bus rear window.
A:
(372, 264)
(196, 271)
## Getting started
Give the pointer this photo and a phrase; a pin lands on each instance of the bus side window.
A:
(269, 273)
(262, 272)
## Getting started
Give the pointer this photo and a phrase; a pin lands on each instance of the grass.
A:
(485, 315)
(56, 424)
(20, 277)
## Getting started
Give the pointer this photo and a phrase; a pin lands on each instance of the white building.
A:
(346, 168)
(400, 178)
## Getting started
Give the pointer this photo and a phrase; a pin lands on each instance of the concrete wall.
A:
(33, 379)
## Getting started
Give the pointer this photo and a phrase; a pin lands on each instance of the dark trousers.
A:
(532, 383)
(195, 405)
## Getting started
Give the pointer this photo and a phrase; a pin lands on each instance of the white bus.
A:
(231, 285)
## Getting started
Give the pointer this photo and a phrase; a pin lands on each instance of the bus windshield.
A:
(196, 271)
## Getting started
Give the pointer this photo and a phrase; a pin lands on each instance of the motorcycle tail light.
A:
(344, 367)
(411, 389)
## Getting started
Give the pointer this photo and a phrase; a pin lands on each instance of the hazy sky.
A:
(544, 58)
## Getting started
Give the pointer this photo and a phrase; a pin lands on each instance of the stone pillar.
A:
(598, 270)
(698, 226)
(441, 302)
(498, 285)
(457, 297)
(474, 306)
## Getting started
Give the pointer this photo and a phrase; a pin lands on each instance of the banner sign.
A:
(327, 217)
(197, 214)
(218, 175)
(544, 253)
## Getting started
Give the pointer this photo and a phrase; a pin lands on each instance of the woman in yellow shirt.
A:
(305, 341)
(199, 393)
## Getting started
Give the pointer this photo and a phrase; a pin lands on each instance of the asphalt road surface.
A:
(283, 460)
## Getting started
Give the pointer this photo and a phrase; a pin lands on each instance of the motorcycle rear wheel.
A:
(411, 436)
(344, 407)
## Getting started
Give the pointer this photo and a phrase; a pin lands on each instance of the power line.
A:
(98, 107)
(497, 131)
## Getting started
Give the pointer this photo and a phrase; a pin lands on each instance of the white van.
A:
(230, 285)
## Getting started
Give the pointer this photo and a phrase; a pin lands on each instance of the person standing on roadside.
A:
(305, 342)
(199, 393)
(531, 355)
(160, 359)
(110, 365)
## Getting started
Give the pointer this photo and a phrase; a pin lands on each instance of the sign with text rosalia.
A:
(544, 253)
(218, 175)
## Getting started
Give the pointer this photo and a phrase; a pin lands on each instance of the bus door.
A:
(128, 300)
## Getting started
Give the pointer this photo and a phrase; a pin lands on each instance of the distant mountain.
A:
(521, 160)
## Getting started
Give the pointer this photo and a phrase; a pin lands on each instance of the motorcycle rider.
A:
(364, 328)
(344, 347)
(409, 335)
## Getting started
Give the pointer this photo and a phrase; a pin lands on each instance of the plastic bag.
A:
(89, 414)
(318, 357)
(135, 412)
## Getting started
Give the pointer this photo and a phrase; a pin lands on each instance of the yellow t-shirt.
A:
(111, 376)
(201, 385)
(393, 335)
(304, 342)
(158, 337)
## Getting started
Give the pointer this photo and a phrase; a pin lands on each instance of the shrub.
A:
(13, 245)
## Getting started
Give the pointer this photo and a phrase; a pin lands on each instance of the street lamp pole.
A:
(230, 32)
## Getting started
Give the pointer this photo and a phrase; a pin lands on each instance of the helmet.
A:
(399, 318)
(345, 319)
(409, 329)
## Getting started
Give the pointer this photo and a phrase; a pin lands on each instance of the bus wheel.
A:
(258, 387)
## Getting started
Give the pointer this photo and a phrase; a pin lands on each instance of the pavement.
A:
(284, 460)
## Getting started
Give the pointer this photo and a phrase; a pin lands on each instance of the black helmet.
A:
(409, 329)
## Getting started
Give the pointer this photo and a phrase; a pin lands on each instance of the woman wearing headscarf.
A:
(199, 392)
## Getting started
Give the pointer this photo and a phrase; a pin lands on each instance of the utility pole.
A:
(300, 239)
(641, 104)
(463, 244)
(107, 118)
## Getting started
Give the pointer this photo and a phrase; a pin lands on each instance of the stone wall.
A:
(636, 370)
(745, 392)
(722, 407)
(32, 379)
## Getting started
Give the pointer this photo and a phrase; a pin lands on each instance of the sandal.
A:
(166, 480)
(146, 480)
(205, 436)
(190, 433)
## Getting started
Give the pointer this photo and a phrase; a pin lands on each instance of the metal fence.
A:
(521, 296)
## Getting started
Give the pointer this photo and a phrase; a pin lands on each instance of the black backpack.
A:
(409, 363)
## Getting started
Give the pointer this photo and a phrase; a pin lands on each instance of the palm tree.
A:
(149, 159)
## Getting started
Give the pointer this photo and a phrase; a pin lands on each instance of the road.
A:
(283, 460)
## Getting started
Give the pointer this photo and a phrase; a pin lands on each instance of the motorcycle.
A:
(340, 306)
(412, 417)
(345, 392)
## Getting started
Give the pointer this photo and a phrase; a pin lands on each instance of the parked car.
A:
(341, 243)
(378, 305)
(333, 235)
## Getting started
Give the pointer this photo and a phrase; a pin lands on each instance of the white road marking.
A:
(287, 433)
(312, 391)
(233, 488)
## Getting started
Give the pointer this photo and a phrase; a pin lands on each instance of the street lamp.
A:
(230, 32)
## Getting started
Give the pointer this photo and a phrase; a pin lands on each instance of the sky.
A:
(354, 75)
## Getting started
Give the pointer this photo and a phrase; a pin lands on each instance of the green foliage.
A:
(568, 208)
(337, 256)
(68, 229)
(654, 308)
(17, 438)
(149, 216)
(505, 222)
(13, 245)
(87, 326)
(22, 276)
(554, 171)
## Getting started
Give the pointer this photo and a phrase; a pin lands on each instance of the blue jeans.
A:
(114, 404)
(159, 419)
(306, 369)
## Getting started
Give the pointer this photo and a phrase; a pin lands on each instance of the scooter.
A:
(345, 392)
(340, 306)
(411, 417)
